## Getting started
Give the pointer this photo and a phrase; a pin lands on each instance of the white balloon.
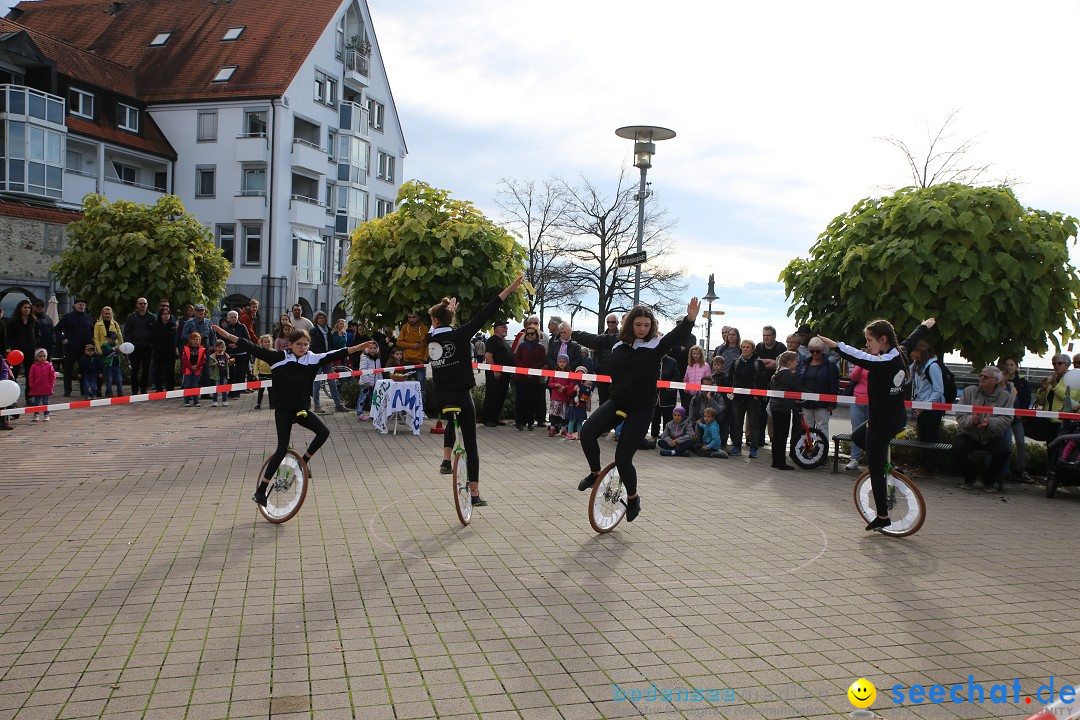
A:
(1072, 379)
(9, 392)
(127, 348)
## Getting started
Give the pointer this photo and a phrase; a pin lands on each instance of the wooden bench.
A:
(895, 442)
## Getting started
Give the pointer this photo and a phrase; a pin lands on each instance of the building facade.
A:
(282, 127)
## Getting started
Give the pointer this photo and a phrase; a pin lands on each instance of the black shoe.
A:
(587, 483)
(633, 507)
(878, 523)
(260, 495)
(530, 427)
(478, 501)
(784, 467)
(445, 468)
(520, 428)
(491, 424)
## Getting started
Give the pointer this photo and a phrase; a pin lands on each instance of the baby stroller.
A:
(1063, 458)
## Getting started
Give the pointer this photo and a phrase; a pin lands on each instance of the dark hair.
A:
(738, 336)
(626, 332)
(883, 329)
(298, 334)
(441, 311)
(31, 319)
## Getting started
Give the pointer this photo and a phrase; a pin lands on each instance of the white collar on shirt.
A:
(441, 330)
(639, 343)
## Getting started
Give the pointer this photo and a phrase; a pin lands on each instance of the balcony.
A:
(252, 148)
(357, 68)
(309, 156)
(308, 212)
(24, 103)
(353, 119)
(78, 185)
(249, 206)
(134, 192)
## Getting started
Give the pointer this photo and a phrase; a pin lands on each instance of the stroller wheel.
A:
(1051, 484)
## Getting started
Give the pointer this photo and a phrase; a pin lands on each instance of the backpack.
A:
(948, 380)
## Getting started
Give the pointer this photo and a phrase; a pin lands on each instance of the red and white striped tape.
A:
(540, 372)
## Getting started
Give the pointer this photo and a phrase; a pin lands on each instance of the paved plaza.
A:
(138, 581)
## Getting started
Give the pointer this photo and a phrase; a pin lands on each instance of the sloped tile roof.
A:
(77, 63)
(151, 140)
(26, 211)
(278, 36)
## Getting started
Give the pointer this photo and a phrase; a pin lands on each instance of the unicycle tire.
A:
(607, 501)
(462, 495)
(907, 509)
(812, 454)
(287, 490)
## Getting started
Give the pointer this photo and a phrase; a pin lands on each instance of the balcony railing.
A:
(357, 62)
(353, 118)
(21, 100)
(306, 199)
(309, 144)
(129, 183)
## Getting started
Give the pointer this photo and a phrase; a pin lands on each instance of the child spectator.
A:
(397, 359)
(89, 372)
(562, 395)
(709, 446)
(219, 372)
(262, 372)
(579, 408)
(784, 379)
(192, 362)
(369, 360)
(110, 362)
(5, 374)
(42, 381)
(678, 435)
(708, 399)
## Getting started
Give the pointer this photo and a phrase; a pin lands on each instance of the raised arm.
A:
(682, 331)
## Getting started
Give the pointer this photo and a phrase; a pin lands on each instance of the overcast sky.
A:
(777, 106)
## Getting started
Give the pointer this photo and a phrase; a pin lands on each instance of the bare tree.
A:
(536, 215)
(604, 227)
(944, 160)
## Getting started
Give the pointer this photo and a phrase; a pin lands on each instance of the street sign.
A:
(631, 259)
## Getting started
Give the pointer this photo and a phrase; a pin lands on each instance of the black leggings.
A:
(633, 432)
(283, 420)
(467, 421)
(875, 443)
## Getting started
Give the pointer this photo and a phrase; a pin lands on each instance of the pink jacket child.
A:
(42, 380)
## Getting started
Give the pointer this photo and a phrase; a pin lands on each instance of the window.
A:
(376, 114)
(204, 180)
(386, 167)
(232, 33)
(126, 173)
(127, 117)
(331, 92)
(226, 239)
(32, 159)
(160, 39)
(331, 143)
(252, 244)
(254, 181)
(383, 207)
(207, 126)
(224, 74)
(329, 199)
(161, 180)
(320, 86)
(254, 123)
(325, 89)
(81, 103)
(339, 38)
(74, 161)
(53, 238)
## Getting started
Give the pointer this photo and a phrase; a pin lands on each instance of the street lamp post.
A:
(709, 297)
(645, 138)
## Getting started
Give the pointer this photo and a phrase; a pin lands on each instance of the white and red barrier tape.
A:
(539, 372)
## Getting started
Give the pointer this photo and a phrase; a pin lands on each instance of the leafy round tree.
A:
(123, 250)
(995, 274)
(431, 247)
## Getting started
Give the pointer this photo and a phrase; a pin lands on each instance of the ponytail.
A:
(441, 311)
(785, 357)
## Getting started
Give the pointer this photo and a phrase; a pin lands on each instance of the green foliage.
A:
(507, 410)
(995, 274)
(122, 251)
(431, 247)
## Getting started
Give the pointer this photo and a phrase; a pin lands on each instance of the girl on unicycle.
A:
(293, 373)
(887, 369)
(634, 367)
(450, 350)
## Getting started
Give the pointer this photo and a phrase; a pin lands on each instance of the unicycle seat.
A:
(451, 410)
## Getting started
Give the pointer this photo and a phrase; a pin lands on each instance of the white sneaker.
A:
(213, 404)
(853, 465)
(35, 418)
(224, 403)
(46, 418)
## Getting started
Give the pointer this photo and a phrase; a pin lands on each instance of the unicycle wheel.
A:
(810, 452)
(462, 495)
(907, 510)
(607, 502)
(287, 490)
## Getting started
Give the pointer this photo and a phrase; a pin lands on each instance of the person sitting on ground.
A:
(678, 435)
(707, 399)
(981, 431)
(709, 444)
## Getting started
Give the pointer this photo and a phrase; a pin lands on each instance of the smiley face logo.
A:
(862, 693)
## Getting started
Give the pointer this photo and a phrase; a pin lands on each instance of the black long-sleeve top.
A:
(292, 376)
(450, 350)
(885, 380)
(634, 369)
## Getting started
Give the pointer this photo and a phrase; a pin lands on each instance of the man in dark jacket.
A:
(496, 384)
(603, 357)
(45, 327)
(76, 331)
(139, 331)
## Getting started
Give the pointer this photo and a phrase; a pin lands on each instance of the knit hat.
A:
(679, 409)
(581, 369)
(564, 356)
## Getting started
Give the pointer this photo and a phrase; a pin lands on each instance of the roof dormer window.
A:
(233, 33)
(160, 39)
(224, 74)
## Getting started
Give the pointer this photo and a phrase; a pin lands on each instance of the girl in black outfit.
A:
(293, 373)
(887, 369)
(634, 367)
(785, 380)
(450, 350)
